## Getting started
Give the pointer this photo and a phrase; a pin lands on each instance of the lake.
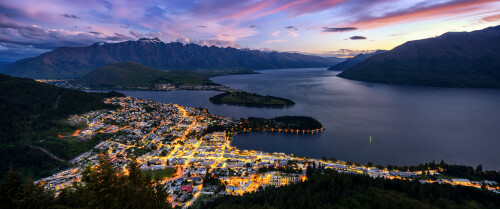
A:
(408, 124)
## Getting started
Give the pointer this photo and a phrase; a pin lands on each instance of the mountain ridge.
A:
(74, 62)
(454, 59)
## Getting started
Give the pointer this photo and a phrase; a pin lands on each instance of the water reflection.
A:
(408, 124)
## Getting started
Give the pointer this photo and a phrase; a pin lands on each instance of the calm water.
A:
(408, 124)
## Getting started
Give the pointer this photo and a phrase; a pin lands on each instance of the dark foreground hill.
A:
(338, 191)
(454, 59)
(133, 75)
(31, 116)
(74, 62)
(348, 63)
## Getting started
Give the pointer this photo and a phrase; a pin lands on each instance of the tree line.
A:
(100, 187)
(326, 188)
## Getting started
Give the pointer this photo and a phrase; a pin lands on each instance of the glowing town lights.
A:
(173, 136)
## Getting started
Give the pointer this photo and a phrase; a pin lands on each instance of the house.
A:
(182, 198)
(194, 179)
(187, 188)
(179, 181)
(463, 182)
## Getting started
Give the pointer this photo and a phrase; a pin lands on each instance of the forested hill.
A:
(74, 62)
(339, 191)
(133, 75)
(30, 111)
(454, 59)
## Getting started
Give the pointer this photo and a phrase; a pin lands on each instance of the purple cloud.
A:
(13, 34)
(70, 16)
(357, 38)
(338, 30)
(139, 35)
(46, 24)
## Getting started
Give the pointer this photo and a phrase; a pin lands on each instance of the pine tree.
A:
(102, 184)
(479, 168)
(160, 194)
(16, 192)
(36, 196)
(11, 190)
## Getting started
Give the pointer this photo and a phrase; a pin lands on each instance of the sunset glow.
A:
(325, 27)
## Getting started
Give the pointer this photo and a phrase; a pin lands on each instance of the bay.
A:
(408, 124)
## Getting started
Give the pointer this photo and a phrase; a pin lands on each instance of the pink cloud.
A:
(492, 18)
(225, 10)
(292, 33)
(448, 9)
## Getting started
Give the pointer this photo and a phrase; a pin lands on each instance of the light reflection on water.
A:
(408, 124)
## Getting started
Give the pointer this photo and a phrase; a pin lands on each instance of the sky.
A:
(339, 28)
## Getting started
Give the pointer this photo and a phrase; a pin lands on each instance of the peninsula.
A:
(250, 99)
(134, 76)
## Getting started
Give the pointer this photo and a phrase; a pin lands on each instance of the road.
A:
(48, 153)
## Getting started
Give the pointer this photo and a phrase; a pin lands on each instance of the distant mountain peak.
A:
(99, 43)
(353, 61)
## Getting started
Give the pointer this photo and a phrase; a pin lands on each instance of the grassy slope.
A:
(132, 75)
(165, 173)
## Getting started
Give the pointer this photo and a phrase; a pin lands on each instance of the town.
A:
(71, 84)
(194, 160)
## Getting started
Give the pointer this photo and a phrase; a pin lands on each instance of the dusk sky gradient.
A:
(323, 27)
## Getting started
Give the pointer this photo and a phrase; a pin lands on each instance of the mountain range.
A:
(75, 62)
(348, 63)
(454, 59)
